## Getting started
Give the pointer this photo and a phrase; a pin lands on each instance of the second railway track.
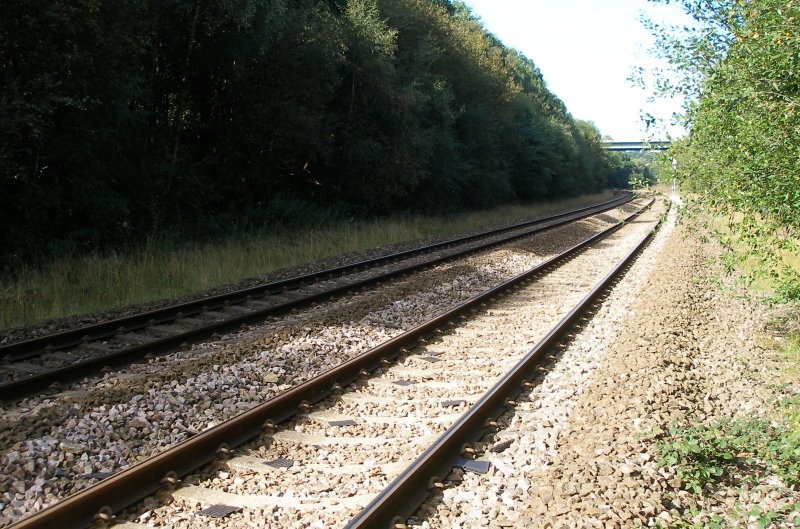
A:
(432, 384)
(50, 361)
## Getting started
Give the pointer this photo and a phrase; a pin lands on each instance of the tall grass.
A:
(74, 286)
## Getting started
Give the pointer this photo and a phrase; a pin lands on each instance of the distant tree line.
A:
(127, 119)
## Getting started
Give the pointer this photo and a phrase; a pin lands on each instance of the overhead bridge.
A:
(636, 145)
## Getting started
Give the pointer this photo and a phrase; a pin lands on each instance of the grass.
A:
(75, 286)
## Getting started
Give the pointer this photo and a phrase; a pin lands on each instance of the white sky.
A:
(586, 50)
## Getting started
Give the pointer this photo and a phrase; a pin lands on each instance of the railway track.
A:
(315, 444)
(48, 362)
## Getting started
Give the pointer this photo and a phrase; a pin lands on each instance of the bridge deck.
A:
(636, 145)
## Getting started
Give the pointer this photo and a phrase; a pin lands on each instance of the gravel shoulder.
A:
(687, 355)
(581, 449)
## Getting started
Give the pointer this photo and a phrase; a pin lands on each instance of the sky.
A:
(586, 50)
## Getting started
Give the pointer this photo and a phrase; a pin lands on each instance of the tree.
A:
(740, 66)
(125, 122)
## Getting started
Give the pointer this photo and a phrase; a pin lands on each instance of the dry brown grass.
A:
(95, 283)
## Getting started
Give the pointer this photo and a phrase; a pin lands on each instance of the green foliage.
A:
(788, 286)
(740, 68)
(742, 454)
(685, 522)
(765, 518)
(764, 255)
(123, 121)
(734, 452)
(638, 180)
(731, 450)
(756, 515)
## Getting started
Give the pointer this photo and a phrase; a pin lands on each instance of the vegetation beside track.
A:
(744, 452)
(739, 70)
(756, 452)
(162, 269)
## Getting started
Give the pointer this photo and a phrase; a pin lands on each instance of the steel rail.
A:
(35, 383)
(128, 486)
(401, 498)
(72, 337)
